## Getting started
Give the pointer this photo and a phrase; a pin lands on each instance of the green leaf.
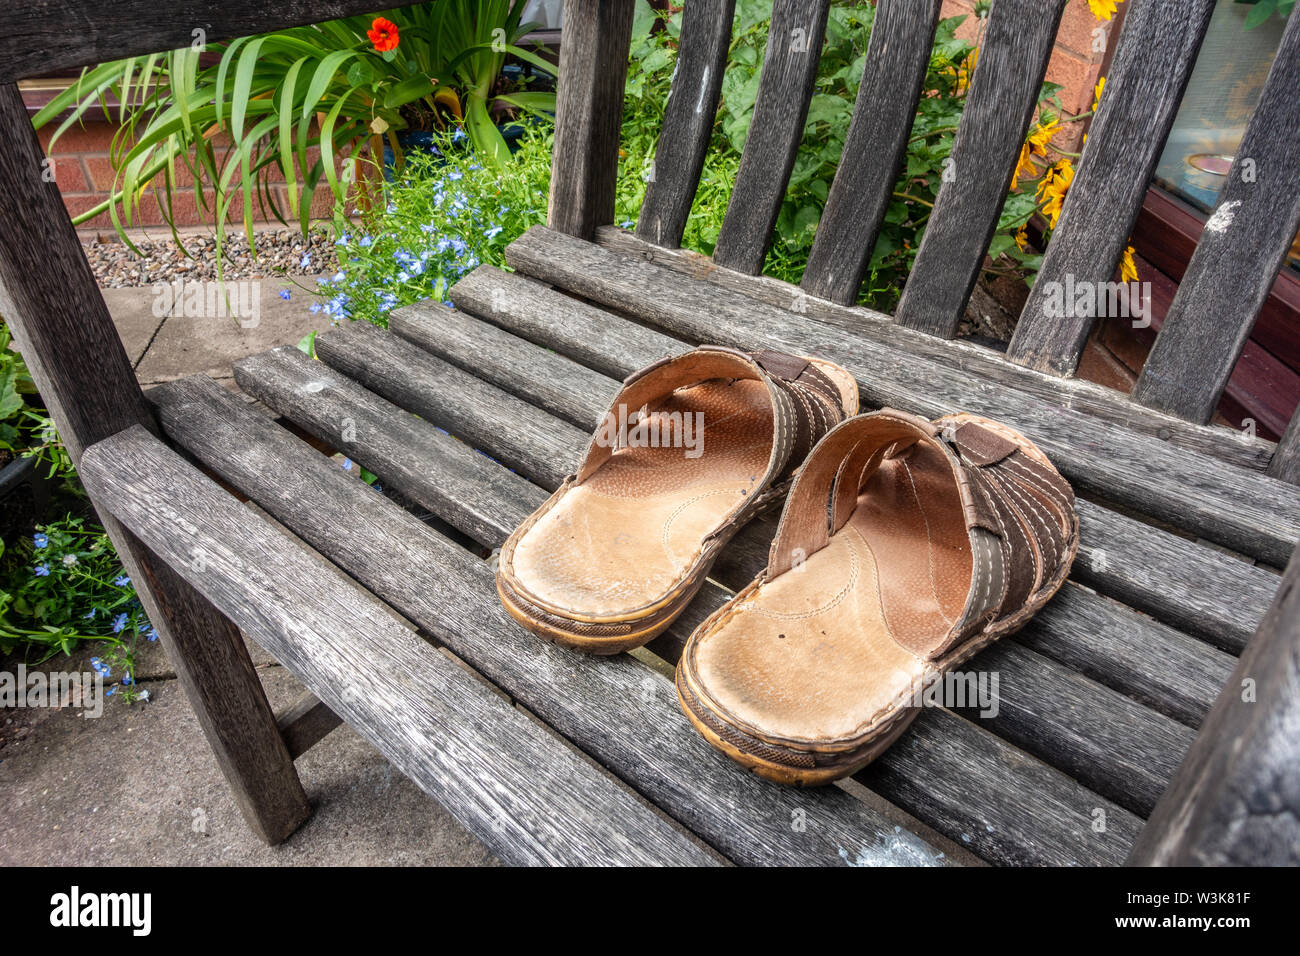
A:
(307, 344)
(1259, 13)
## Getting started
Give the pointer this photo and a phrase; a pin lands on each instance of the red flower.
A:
(383, 34)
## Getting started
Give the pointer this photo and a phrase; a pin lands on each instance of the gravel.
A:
(278, 253)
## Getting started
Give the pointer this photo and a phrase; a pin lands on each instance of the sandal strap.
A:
(805, 402)
(1018, 511)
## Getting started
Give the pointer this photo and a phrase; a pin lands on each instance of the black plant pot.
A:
(24, 495)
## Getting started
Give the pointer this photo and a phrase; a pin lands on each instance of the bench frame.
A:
(1211, 812)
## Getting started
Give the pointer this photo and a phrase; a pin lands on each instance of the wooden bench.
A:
(1150, 713)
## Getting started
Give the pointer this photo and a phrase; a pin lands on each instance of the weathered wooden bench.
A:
(1150, 713)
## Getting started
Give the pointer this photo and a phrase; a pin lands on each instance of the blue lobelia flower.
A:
(144, 695)
(151, 633)
(314, 307)
(41, 570)
(127, 679)
(366, 242)
(122, 580)
(285, 294)
(347, 464)
(89, 615)
(119, 623)
(305, 262)
(40, 540)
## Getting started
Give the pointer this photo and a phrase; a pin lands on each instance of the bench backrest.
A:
(1227, 280)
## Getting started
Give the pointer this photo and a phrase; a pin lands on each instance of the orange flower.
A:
(383, 34)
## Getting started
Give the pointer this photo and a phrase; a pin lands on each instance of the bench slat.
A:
(1245, 242)
(1003, 95)
(529, 797)
(1177, 675)
(1243, 510)
(1153, 62)
(305, 723)
(588, 114)
(1199, 590)
(1066, 726)
(616, 709)
(898, 55)
(688, 120)
(794, 48)
(946, 781)
(1227, 444)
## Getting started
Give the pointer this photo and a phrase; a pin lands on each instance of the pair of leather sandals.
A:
(904, 547)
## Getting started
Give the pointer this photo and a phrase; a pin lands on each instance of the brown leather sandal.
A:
(692, 448)
(905, 547)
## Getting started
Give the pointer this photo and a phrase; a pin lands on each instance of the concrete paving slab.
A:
(191, 343)
(133, 314)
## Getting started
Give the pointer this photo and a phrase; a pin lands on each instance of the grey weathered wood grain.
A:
(616, 709)
(305, 723)
(1177, 675)
(1244, 243)
(522, 791)
(1236, 799)
(56, 36)
(588, 114)
(520, 435)
(1244, 510)
(1112, 745)
(475, 347)
(49, 299)
(372, 431)
(898, 55)
(1157, 49)
(1009, 841)
(1055, 843)
(1285, 465)
(1218, 597)
(1003, 96)
(538, 313)
(688, 120)
(1230, 445)
(794, 48)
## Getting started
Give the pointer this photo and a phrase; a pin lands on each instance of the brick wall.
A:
(84, 173)
(1076, 59)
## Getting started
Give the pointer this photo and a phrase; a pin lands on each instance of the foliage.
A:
(1263, 9)
(839, 75)
(445, 214)
(65, 585)
(301, 104)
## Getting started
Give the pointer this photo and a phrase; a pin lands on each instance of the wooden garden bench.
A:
(1112, 741)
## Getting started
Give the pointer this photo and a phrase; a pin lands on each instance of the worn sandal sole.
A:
(804, 764)
(619, 551)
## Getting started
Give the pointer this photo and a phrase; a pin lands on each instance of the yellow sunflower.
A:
(1101, 85)
(1053, 189)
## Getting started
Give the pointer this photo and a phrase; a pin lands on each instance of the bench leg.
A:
(50, 300)
(213, 666)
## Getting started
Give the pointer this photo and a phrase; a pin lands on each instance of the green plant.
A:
(839, 74)
(301, 104)
(1263, 9)
(16, 386)
(445, 214)
(64, 586)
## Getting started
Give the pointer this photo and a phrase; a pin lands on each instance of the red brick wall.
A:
(1075, 63)
(84, 173)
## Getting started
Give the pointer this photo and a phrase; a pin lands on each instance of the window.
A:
(1225, 86)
